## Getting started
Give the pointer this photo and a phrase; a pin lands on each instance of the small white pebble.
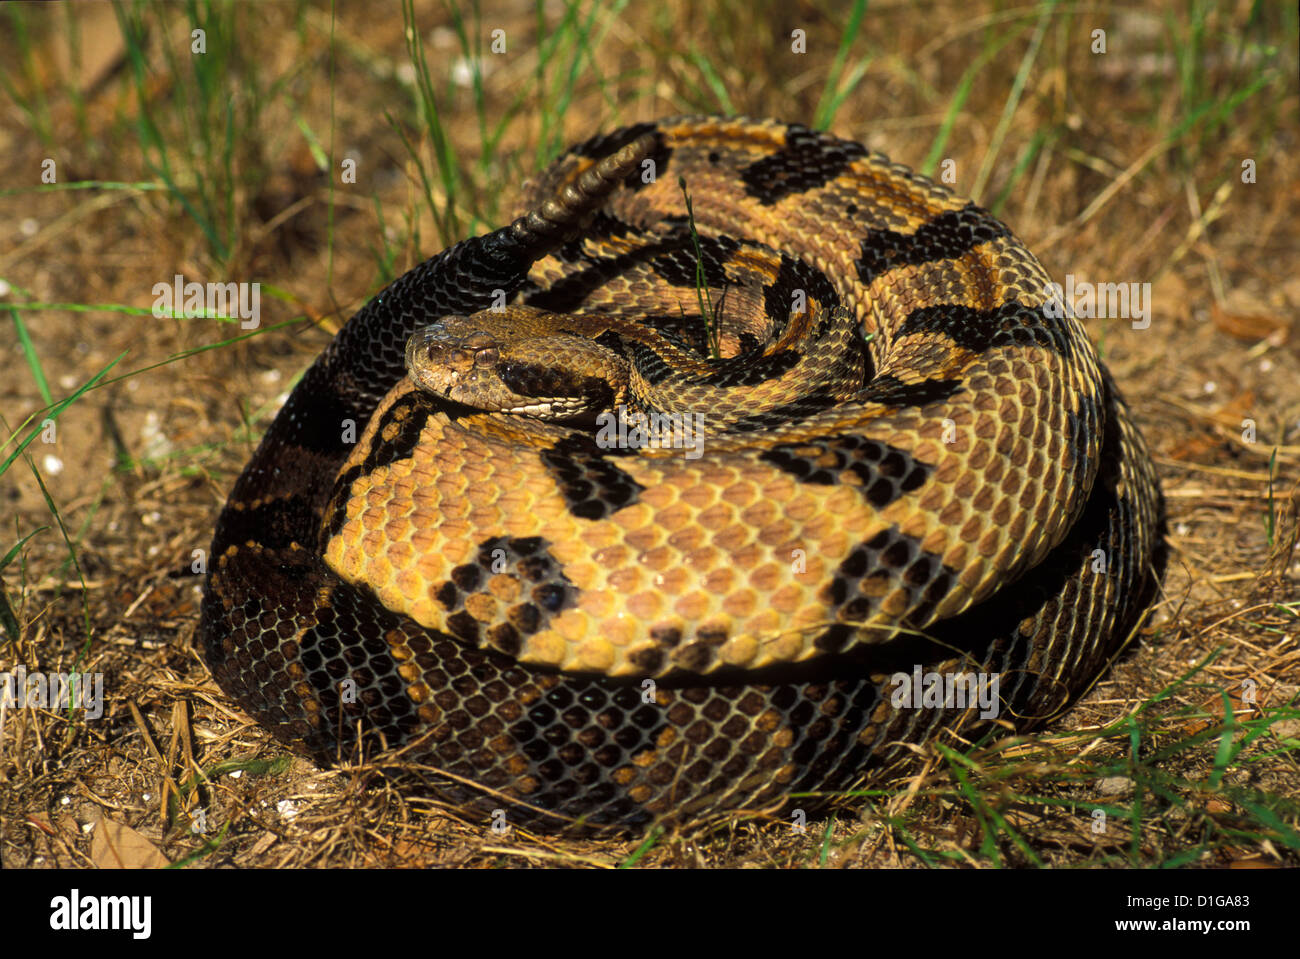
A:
(29, 226)
(405, 74)
(287, 808)
(1182, 529)
(1265, 365)
(462, 72)
(1114, 785)
(147, 797)
(64, 800)
(88, 828)
(4, 288)
(236, 774)
(271, 376)
(1210, 386)
(52, 465)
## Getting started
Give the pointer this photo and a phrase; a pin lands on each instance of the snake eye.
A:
(486, 357)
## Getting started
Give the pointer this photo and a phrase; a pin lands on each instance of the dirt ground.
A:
(1166, 160)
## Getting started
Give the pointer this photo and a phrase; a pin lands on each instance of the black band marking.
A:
(948, 236)
(884, 472)
(592, 486)
(976, 331)
(807, 161)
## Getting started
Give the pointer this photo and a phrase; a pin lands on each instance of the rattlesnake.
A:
(909, 462)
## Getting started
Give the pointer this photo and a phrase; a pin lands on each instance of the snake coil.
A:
(915, 477)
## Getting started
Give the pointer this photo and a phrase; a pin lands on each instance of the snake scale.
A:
(900, 461)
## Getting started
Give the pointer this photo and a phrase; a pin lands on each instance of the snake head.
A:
(482, 362)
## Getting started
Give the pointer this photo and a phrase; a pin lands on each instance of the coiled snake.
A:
(671, 501)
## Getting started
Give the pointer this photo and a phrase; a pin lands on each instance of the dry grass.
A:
(1116, 167)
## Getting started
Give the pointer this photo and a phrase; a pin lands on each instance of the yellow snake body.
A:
(880, 452)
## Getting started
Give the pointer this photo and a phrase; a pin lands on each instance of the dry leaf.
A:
(118, 846)
(1250, 327)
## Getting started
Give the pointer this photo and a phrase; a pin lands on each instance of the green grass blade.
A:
(33, 361)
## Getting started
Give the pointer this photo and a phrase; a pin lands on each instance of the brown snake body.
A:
(908, 463)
